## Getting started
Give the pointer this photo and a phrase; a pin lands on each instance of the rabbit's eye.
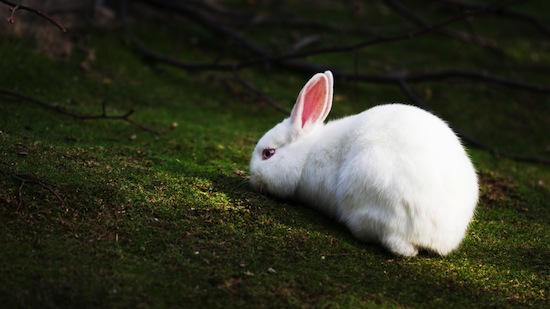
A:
(267, 153)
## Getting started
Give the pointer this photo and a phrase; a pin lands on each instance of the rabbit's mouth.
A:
(257, 184)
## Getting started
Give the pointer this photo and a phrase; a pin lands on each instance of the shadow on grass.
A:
(366, 270)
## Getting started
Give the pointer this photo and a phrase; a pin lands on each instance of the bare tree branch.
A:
(294, 60)
(305, 67)
(404, 11)
(14, 7)
(208, 23)
(379, 39)
(503, 11)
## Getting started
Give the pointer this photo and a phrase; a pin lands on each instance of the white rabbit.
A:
(394, 174)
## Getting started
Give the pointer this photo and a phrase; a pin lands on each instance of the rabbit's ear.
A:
(314, 102)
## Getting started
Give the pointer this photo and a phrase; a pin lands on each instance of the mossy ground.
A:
(170, 221)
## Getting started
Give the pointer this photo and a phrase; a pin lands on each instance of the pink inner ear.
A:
(314, 98)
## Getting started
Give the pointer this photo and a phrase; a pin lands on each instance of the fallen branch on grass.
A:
(123, 117)
(29, 180)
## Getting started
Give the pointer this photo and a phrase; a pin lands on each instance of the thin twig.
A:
(14, 7)
(415, 77)
(25, 180)
(258, 93)
(123, 117)
(407, 13)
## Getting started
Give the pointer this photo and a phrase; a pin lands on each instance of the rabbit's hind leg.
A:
(399, 246)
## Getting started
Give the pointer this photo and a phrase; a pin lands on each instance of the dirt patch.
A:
(497, 191)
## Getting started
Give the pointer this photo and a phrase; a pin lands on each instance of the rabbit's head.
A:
(278, 158)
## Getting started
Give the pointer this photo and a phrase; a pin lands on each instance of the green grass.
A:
(170, 221)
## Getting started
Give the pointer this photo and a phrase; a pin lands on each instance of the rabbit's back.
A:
(406, 181)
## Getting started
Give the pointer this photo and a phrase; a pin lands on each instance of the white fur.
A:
(394, 174)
